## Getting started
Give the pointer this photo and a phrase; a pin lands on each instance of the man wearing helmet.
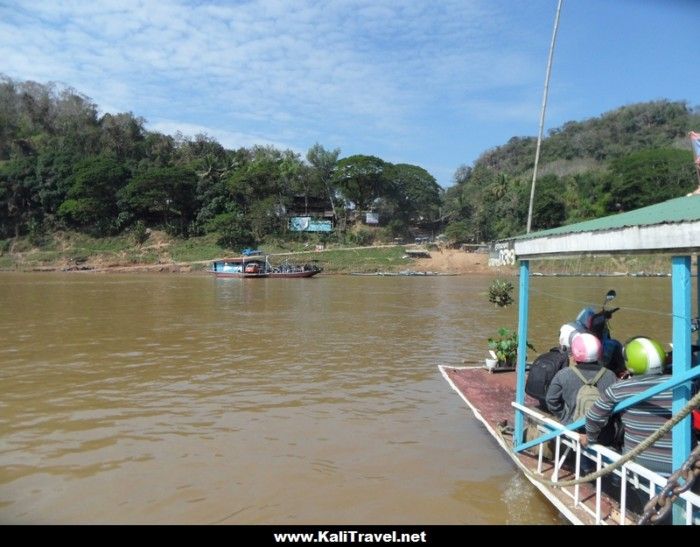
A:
(644, 359)
(586, 352)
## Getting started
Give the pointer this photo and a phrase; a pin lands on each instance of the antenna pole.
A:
(544, 107)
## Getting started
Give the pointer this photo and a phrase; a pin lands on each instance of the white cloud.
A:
(228, 139)
(364, 71)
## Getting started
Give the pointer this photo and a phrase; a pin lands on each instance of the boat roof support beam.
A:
(681, 297)
(523, 305)
(697, 293)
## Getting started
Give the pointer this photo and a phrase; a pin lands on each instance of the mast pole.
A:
(544, 108)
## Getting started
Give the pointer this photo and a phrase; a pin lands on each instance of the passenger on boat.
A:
(645, 361)
(586, 351)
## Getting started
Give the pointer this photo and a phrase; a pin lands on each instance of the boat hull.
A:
(285, 275)
(239, 275)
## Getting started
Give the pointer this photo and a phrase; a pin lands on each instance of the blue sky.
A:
(426, 82)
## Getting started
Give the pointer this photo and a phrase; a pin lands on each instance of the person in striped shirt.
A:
(644, 359)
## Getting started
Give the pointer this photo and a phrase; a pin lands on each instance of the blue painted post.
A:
(697, 294)
(681, 294)
(523, 304)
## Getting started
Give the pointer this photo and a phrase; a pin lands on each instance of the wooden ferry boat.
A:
(259, 267)
(500, 403)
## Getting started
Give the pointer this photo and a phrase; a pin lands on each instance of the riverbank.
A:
(72, 252)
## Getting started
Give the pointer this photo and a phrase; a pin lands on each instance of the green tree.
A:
(361, 179)
(233, 230)
(459, 231)
(323, 165)
(587, 195)
(92, 197)
(18, 195)
(549, 209)
(415, 192)
(159, 150)
(122, 136)
(162, 196)
(650, 176)
(54, 171)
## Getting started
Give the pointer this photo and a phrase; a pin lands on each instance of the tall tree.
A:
(361, 179)
(415, 191)
(122, 135)
(18, 195)
(163, 195)
(92, 197)
(323, 165)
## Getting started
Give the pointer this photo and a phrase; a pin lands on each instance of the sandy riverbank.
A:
(457, 262)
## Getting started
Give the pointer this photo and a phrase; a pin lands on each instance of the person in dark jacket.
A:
(586, 351)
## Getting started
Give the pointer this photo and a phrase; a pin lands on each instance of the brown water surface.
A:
(187, 399)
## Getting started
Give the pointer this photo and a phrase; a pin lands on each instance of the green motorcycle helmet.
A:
(644, 356)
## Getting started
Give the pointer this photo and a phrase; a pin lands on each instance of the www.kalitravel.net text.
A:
(350, 536)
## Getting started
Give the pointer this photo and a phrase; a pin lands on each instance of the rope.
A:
(589, 304)
(641, 447)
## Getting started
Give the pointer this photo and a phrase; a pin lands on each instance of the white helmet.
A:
(566, 332)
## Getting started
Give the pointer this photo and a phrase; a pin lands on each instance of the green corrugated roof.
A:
(685, 209)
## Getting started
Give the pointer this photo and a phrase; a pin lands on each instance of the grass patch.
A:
(6, 263)
(197, 249)
(137, 256)
(41, 258)
(85, 244)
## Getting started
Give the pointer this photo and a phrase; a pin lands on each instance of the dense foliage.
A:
(65, 166)
(634, 156)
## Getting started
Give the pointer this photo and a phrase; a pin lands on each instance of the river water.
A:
(188, 399)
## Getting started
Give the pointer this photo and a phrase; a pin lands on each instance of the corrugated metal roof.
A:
(685, 209)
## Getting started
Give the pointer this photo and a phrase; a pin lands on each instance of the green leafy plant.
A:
(505, 346)
(140, 233)
(501, 293)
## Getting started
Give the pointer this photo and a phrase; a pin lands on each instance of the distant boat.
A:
(287, 270)
(259, 266)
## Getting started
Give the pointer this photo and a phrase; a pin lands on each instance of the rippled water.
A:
(187, 399)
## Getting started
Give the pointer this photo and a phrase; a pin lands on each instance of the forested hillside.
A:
(628, 158)
(63, 166)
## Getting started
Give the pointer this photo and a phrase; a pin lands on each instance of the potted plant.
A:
(501, 293)
(505, 347)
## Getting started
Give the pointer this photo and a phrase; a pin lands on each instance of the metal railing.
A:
(631, 475)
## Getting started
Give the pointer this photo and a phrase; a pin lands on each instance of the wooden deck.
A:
(489, 396)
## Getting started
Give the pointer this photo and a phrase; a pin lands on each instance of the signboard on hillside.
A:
(371, 218)
(308, 224)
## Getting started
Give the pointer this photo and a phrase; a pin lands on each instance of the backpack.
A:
(542, 370)
(587, 393)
